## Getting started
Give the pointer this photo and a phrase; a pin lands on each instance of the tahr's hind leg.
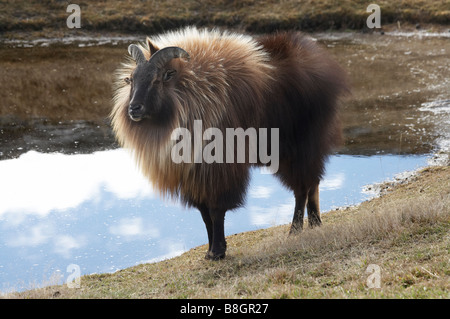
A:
(310, 198)
(313, 207)
(297, 221)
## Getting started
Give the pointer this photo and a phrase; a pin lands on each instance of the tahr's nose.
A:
(136, 107)
(136, 111)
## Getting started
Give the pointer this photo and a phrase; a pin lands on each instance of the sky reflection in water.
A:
(97, 211)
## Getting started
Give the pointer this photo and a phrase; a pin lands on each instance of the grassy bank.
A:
(250, 15)
(406, 232)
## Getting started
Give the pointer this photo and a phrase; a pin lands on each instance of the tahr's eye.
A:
(169, 75)
(128, 80)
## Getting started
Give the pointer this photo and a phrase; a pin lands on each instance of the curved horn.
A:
(136, 53)
(161, 57)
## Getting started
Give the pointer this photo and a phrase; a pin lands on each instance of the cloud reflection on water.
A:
(38, 183)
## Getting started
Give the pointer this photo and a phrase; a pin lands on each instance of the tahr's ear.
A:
(153, 48)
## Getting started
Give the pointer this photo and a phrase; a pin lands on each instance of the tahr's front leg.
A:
(219, 244)
(209, 226)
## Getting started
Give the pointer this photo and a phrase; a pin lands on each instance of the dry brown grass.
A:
(251, 15)
(406, 233)
(57, 83)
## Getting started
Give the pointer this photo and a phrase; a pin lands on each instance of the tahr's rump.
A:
(229, 80)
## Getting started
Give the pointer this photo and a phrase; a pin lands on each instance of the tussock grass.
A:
(369, 226)
(405, 232)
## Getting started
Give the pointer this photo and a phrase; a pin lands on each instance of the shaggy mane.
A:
(226, 69)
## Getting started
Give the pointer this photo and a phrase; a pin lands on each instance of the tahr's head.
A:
(151, 79)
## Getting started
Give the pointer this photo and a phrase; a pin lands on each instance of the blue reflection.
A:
(97, 211)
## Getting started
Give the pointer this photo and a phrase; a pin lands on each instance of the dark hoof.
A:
(211, 256)
(314, 221)
(313, 224)
(295, 230)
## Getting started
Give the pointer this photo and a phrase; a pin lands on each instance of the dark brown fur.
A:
(304, 105)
